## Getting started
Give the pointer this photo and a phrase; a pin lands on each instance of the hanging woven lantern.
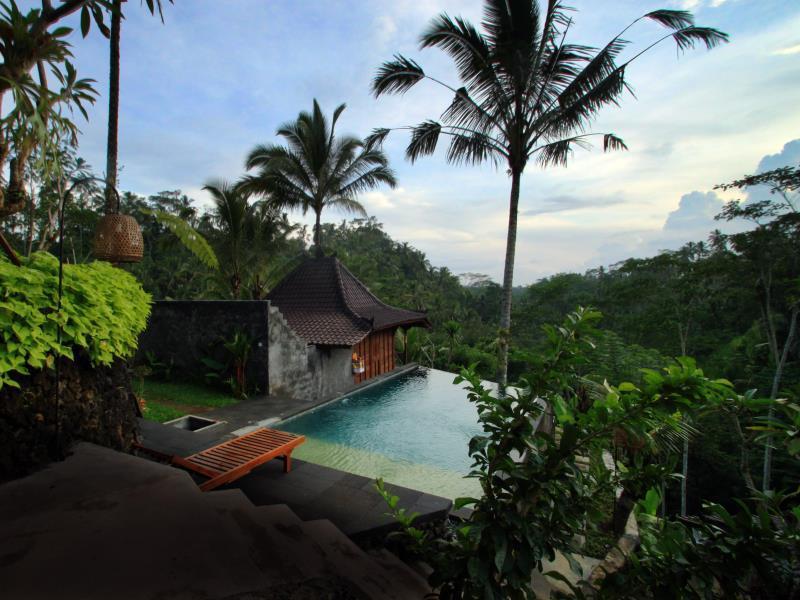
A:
(118, 239)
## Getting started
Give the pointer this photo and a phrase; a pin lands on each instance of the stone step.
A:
(353, 564)
(104, 524)
(225, 501)
(147, 532)
(277, 514)
(271, 515)
(393, 564)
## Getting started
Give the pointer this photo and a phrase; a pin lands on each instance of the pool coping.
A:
(356, 390)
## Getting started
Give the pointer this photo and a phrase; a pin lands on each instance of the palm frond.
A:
(600, 66)
(465, 112)
(688, 37)
(558, 153)
(262, 155)
(471, 148)
(575, 115)
(611, 142)
(472, 55)
(336, 114)
(672, 19)
(369, 180)
(424, 138)
(397, 76)
(191, 240)
(375, 139)
(347, 204)
(512, 29)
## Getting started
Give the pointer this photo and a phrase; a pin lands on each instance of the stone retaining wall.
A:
(288, 361)
(181, 333)
(97, 405)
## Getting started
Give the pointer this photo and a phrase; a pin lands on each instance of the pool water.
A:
(412, 431)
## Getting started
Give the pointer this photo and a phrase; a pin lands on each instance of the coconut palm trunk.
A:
(113, 108)
(508, 280)
(318, 233)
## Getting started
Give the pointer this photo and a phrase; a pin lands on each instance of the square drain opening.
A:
(192, 423)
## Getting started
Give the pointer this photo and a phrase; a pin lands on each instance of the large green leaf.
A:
(192, 241)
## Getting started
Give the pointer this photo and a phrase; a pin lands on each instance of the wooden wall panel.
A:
(377, 350)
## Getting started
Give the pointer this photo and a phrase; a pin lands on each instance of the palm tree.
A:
(113, 107)
(525, 94)
(113, 95)
(233, 214)
(316, 169)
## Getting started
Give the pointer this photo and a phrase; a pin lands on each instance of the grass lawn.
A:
(170, 400)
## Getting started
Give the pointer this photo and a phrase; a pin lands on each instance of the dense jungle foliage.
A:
(727, 302)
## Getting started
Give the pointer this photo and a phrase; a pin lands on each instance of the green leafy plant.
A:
(104, 309)
(216, 369)
(188, 236)
(537, 492)
(750, 553)
(239, 347)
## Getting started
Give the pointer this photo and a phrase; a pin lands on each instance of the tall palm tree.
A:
(233, 214)
(316, 169)
(525, 94)
(113, 94)
(113, 107)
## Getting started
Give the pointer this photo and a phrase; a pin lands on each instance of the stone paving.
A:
(312, 491)
(349, 501)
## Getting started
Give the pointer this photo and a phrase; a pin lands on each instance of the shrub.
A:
(103, 310)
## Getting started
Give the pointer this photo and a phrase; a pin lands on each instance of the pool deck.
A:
(312, 491)
(349, 501)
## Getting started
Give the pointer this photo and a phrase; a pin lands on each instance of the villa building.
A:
(328, 332)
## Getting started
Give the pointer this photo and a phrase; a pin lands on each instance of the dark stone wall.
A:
(181, 333)
(97, 405)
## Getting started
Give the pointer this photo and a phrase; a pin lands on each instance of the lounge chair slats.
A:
(235, 458)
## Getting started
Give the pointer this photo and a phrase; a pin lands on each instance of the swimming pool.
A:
(412, 430)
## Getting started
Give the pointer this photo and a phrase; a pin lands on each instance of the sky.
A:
(217, 78)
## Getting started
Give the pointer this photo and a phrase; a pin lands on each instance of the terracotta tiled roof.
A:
(325, 304)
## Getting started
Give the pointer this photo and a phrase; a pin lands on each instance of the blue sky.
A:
(198, 92)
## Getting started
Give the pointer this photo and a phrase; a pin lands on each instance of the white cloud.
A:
(788, 50)
(696, 4)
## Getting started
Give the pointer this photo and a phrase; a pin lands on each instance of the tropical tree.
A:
(769, 254)
(113, 95)
(316, 169)
(525, 94)
(232, 211)
(36, 119)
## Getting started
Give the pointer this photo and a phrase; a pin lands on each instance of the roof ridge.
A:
(325, 303)
(338, 266)
(358, 282)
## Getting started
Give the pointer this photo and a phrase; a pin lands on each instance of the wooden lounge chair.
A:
(235, 458)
